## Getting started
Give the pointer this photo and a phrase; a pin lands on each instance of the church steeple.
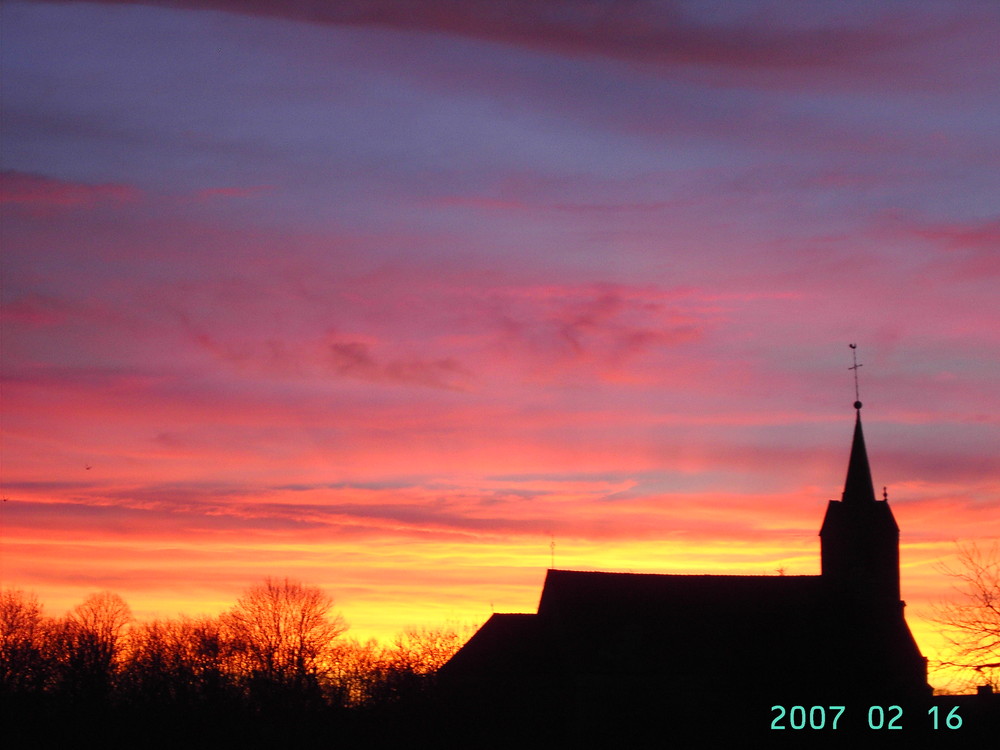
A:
(858, 488)
(859, 540)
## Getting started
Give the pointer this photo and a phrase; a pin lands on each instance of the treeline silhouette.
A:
(275, 670)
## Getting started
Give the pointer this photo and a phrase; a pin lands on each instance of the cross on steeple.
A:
(855, 366)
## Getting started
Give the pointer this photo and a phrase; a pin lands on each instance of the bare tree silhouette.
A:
(971, 621)
(21, 666)
(95, 629)
(423, 650)
(179, 661)
(280, 632)
(104, 616)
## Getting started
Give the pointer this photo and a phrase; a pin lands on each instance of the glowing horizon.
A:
(385, 301)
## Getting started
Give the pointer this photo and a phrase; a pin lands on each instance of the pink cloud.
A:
(34, 310)
(356, 359)
(973, 248)
(609, 325)
(970, 236)
(233, 192)
(647, 31)
(44, 195)
(962, 249)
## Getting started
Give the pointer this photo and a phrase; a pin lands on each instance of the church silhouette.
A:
(613, 656)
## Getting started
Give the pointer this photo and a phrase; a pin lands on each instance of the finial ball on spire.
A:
(857, 404)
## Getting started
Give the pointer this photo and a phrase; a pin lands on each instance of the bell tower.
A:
(859, 539)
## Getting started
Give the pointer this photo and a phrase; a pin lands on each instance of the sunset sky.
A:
(386, 296)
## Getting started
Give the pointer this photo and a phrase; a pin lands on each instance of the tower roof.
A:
(858, 487)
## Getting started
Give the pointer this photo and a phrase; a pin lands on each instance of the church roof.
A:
(506, 644)
(623, 592)
(641, 621)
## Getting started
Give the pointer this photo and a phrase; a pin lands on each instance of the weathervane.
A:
(854, 355)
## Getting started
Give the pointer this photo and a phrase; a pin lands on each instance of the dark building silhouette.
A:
(611, 656)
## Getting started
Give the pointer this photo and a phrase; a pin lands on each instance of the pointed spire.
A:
(858, 487)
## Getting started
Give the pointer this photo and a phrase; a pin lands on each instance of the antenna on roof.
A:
(854, 356)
